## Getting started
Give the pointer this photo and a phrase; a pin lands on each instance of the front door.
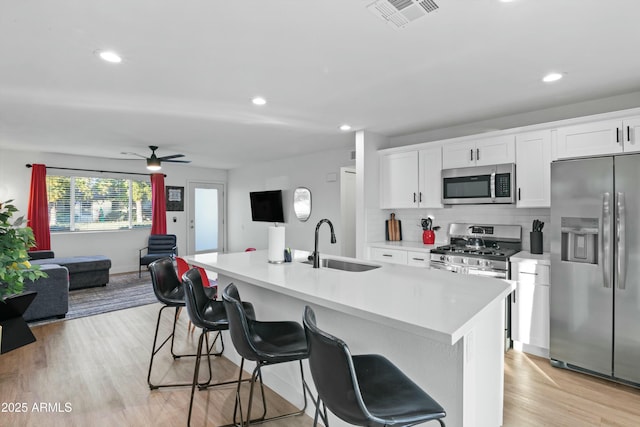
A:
(206, 217)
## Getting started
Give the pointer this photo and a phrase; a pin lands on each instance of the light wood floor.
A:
(98, 365)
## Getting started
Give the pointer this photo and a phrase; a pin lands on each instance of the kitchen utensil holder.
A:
(536, 242)
(428, 237)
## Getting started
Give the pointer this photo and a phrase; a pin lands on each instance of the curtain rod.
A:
(95, 170)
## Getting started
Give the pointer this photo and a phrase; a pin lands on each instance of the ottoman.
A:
(84, 271)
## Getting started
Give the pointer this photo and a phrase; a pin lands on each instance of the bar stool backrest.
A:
(195, 297)
(166, 284)
(239, 324)
(333, 373)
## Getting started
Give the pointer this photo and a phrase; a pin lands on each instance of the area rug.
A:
(123, 291)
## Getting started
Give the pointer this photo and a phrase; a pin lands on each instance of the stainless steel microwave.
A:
(479, 185)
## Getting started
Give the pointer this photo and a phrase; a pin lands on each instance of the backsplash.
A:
(474, 214)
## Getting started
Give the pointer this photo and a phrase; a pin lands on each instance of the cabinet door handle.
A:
(628, 134)
(420, 197)
(418, 259)
(526, 272)
(519, 193)
(471, 154)
(477, 154)
(617, 135)
(514, 295)
(414, 197)
(387, 255)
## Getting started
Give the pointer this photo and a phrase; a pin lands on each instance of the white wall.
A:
(367, 184)
(320, 172)
(120, 246)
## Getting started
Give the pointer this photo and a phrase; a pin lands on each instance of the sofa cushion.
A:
(53, 293)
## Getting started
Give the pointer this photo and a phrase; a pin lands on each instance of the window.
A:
(96, 204)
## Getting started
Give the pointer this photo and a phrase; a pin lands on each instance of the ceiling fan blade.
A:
(173, 156)
(177, 161)
(133, 154)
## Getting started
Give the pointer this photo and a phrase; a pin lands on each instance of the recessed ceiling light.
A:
(345, 127)
(258, 100)
(110, 56)
(552, 77)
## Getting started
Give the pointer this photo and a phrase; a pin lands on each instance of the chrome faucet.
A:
(316, 254)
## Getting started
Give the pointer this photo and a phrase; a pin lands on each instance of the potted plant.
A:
(15, 241)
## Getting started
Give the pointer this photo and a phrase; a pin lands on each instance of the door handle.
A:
(621, 225)
(605, 241)
(628, 134)
(492, 185)
(617, 135)
(477, 154)
(471, 154)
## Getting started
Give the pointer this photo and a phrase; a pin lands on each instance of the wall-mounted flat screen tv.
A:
(266, 206)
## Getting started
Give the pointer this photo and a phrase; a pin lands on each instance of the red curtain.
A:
(38, 212)
(158, 203)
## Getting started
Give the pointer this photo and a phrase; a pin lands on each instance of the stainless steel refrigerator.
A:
(595, 266)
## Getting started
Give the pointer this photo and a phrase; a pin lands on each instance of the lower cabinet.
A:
(400, 256)
(530, 307)
(395, 256)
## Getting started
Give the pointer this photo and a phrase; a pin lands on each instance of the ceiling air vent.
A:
(400, 13)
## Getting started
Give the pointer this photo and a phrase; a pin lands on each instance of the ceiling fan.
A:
(154, 162)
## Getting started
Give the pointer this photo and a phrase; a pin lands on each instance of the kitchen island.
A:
(444, 330)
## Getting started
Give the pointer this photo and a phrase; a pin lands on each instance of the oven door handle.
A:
(492, 186)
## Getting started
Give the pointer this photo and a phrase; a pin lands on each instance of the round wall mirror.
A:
(302, 203)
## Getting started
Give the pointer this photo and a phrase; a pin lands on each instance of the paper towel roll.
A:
(276, 244)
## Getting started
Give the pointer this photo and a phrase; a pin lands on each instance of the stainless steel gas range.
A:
(481, 250)
(478, 249)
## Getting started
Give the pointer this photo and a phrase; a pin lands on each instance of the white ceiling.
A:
(191, 68)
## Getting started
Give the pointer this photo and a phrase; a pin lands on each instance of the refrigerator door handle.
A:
(605, 241)
(621, 225)
(492, 185)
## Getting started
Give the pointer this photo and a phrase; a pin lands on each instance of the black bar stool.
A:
(266, 343)
(210, 316)
(363, 390)
(168, 290)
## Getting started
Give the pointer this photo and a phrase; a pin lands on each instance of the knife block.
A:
(536, 242)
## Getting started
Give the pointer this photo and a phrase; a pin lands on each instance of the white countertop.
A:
(432, 303)
(544, 258)
(405, 245)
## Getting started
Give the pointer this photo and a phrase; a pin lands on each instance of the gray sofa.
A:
(53, 293)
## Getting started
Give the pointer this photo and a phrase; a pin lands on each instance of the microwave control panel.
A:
(503, 185)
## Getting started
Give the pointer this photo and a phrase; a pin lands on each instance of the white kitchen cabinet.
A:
(530, 307)
(430, 177)
(399, 180)
(533, 169)
(418, 259)
(600, 137)
(414, 254)
(411, 179)
(480, 152)
(394, 256)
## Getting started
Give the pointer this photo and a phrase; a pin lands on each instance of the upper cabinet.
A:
(601, 137)
(411, 179)
(489, 151)
(533, 169)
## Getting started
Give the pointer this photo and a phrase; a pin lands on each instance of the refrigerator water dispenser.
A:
(579, 240)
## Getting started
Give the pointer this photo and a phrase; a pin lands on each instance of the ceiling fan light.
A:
(153, 164)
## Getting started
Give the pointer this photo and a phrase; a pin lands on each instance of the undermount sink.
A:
(337, 264)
